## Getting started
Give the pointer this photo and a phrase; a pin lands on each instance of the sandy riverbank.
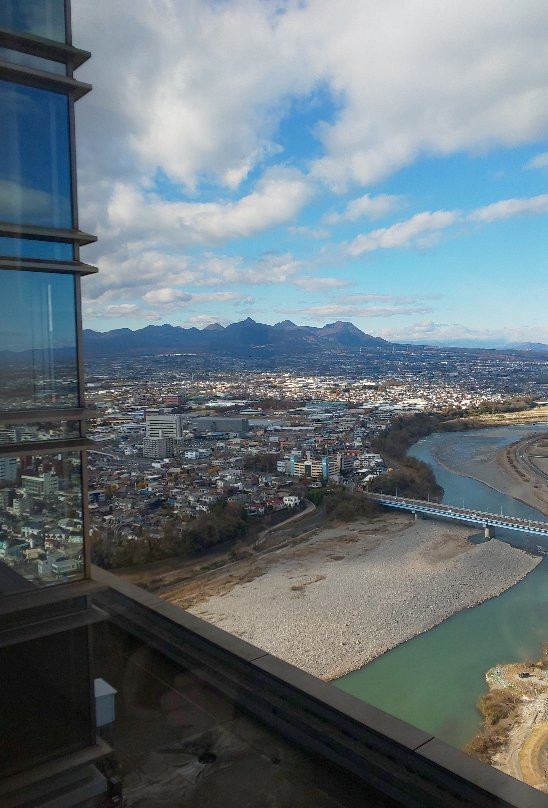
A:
(514, 737)
(331, 604)
(502, 470)
(527, 481)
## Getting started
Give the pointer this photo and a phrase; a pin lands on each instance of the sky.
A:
(384, 163)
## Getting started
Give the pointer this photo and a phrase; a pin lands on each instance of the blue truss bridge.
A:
(489, 521)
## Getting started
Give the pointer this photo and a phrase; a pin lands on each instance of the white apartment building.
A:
(164, 426)
(43, 485)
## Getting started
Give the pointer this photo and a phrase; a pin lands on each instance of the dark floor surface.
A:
(180, 742)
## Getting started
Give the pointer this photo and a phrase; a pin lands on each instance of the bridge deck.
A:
(483, 518)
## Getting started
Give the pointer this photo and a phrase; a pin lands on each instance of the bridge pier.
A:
(489, 531)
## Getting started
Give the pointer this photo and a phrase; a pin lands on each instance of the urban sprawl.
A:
(177, 434)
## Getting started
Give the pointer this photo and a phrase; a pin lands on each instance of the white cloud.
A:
(166, 296)
(506, 208)
(310, 232)
(123, 308)
(269, 269)
(278, 197)
(366, 206)
(540, 161)
(203, 320)
(133, 269)
(405, 233)
(317, 284)
(136, 270)
(457, 333)
(421, 79)
(337, 310)
(201, 87)
(37, 205)
(119, 311)
(209, 297)
(186, 143)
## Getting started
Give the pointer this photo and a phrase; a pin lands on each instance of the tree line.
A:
(413, 478)
(224, 522)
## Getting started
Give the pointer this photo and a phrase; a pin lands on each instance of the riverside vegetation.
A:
(413, 478)
(514, 737)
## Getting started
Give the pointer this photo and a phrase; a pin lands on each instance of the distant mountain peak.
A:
(285, 324)
(341, 325)
(214, 327)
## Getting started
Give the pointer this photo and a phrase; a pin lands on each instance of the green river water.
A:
(434, 680)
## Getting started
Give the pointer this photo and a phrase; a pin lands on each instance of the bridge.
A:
(489, 521)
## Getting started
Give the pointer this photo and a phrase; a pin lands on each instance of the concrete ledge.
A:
(501, 789)
(404, 763)
(386, 726)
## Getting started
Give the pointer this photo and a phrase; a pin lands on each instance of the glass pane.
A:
(34, 248)
(27, 59)
(41, 535)
(44, 714)
(37, 340)
(35, 186)
(25, 433)
(39, 17)
(182, 737)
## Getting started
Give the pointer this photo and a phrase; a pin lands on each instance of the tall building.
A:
(158, 448)
(48, 740)
(164, 425)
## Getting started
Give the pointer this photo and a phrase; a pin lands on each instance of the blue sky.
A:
(381, 163)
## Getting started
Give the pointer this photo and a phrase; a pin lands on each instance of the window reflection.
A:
(36, 62)
(41, 534)
(27, 433)
(35, 186)
(37, 340)
(34, 248)
(45, 713)
(39, 17)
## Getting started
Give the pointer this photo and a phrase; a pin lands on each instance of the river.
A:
(434, 680)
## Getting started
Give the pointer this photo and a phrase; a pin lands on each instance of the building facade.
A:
(315, 468)
(205, 424)
(48, 741)
(158, 448)
(164, 426)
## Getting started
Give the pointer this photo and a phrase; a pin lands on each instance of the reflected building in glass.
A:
(48, 740)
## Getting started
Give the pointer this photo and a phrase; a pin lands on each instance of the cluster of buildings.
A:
(152, 459)
(182, 433)
(41, 530)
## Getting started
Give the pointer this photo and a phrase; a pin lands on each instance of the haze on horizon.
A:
(384, 164)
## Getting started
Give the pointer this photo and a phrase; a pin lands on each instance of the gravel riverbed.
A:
(337, 601)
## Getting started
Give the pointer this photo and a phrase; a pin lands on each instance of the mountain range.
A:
(236, 338)
(249, 336)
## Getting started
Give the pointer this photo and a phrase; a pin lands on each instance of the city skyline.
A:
(385, 166)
